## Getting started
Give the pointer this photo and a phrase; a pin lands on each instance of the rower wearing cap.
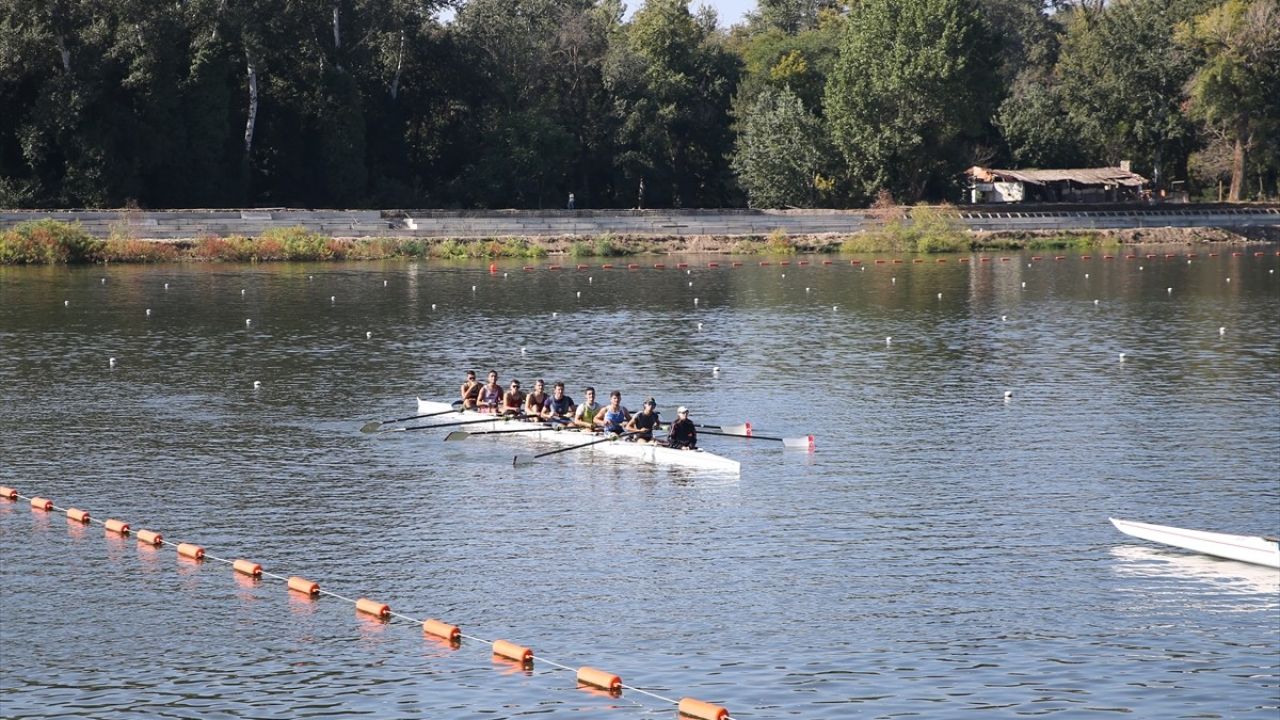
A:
(470, 391)
(534, 401)
(644, 422)
(584, 417)
(513, 400)
(613, 416)
(682, 434)
(490, 395)
(559, 407)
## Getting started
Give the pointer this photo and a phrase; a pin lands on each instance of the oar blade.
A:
(800, 443)
(457, 435)
(519, 460)
(371, 426)
(735, 429)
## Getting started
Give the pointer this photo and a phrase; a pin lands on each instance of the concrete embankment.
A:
(1247, 221)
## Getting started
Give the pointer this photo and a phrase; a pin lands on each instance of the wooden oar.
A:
(373, 425)
(463, 434)
(528, 459)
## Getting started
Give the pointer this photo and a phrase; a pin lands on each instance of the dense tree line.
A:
(516, 103)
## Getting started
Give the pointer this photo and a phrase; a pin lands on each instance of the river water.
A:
(945, 552)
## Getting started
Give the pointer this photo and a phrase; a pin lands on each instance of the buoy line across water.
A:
(586, 676)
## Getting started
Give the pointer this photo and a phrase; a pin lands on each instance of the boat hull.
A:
(1244, 548)
(644, 452)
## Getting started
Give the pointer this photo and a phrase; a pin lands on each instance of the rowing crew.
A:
(589, 416)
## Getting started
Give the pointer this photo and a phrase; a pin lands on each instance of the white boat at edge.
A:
(645, 452)
(1244, 548)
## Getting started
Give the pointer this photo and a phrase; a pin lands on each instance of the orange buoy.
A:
(149, 537)
(826, 262)
(633, 266)
(1151, 256)
(1036, 257)
(584, 267)
(702, 710)
(859, 262)
(942, 260)
(373, 607)
(802, 262)
(966, 259)
(442, 630)
(1234, 254)
(1086, 257)
(511, 651)
(878, 262)
(8, 493)
(553, 267)
(493, 268)
(1213, 254)
(1259, 254)
(1004, 259)
(528, 268)
(1130, 257)
(304, 586)
(1191, 255)
(984, 259)
(1108, 257)
(606, 266)
(682, 266)
(1059, 257)
(600, 679)
(40, 503)
(117, 526)
(764, 263)
(78, 515)
(735, 264)
(659, 266)
(713, 264)
(785, 262)
(247, 567)
(897, 261)
(917, 261)
(191, 550)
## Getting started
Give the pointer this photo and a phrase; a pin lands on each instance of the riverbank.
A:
(56, 242)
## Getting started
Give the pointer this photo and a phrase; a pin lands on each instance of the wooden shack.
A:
(1077, 185)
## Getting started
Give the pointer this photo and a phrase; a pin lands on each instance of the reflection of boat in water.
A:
(1245, 548)
(1232, 578)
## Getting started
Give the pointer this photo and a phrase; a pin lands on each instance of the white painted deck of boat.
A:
(1244, 548)
(645, 452)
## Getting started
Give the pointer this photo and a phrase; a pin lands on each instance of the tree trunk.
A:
(395, 81)
(337, 31)
(252, 72)
(1237, 161)
(65, 54)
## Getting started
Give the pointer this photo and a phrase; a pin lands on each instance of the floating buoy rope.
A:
(585, 676)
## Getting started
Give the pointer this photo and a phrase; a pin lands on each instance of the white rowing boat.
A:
(1245, 548)
(645, 452)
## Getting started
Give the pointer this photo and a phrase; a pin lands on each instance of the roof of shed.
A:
(1080, 176)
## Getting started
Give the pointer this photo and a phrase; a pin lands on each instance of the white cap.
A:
(682, 410)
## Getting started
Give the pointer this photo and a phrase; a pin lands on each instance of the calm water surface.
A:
(944, 553)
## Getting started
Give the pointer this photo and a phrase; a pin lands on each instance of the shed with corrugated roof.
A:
(1077, 185)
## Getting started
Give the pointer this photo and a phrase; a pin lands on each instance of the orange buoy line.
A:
(586, 676)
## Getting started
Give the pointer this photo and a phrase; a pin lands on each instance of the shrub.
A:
(779, 244)
(46, 242)
(747, 246)
(118, 249)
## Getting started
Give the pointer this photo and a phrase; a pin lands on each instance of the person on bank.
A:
(534, 401)
(613, 417)
(584, 418)
(470, 391)
(644, 422)
(512, 401)
(683, 434)
(558, 408)
(490, 395)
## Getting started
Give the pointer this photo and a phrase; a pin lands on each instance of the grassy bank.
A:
(930, 231)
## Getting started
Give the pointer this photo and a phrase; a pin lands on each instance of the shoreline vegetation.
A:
(931, 231)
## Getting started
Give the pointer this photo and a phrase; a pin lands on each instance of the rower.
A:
(490, 395)
(644, 422)
(613, 416)
(470, 391)
(559, 407)
(513, 400)
(534, 401)
(585, 416)
(683, 434)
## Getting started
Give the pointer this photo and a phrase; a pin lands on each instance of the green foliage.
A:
(1036, 128)
(911, 94)
(47, 242)
(778, 243)
(781, 153)
(929, 229)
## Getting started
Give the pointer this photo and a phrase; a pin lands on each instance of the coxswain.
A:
(644, 422)
(559, 407)
(490, 395)
(613, 416)
(534, 401)
(470, 391)
(683, 434)
(585, 416)
(513, 400)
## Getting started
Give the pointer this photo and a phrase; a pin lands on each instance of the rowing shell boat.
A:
(1245, 548)
(644, 452)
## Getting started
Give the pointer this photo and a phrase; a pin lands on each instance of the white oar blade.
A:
(457, 435)
(519, 460)
(800, 443)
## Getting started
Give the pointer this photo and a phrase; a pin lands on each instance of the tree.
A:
(781, 152)
(911, 94)
(1036, 129)
(1236, 91)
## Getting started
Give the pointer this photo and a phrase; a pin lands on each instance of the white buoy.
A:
(1095, 301)
(148, 312)
(504, 274)
(1188, 262)
(257, 385)
(1140, 267)
(241, 291)
(579, 293)
(690, 283)
(1222, 331)
(784, 274)
(166, 286)
(111, 362)
(311, 277)
(1121, 357)
(368, 335)
(715, 370)
(248, 322)
(384, 283)
(66, 303)
(1086, 276)
(1024, 284)
(473, 288)
(835, 308)
(1170, 290)
(939, 296)
(1008, 395)
(863, 268)
(1004, 318)
(695, 301)
(333, 298)
(555, 314)
(806, 289)
(699, 326)
(888, 341)
(688, 272)
(104, 281)
(590, 279)
(1228, 279)
(433, 306)
(522, 351)
(893, 280)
